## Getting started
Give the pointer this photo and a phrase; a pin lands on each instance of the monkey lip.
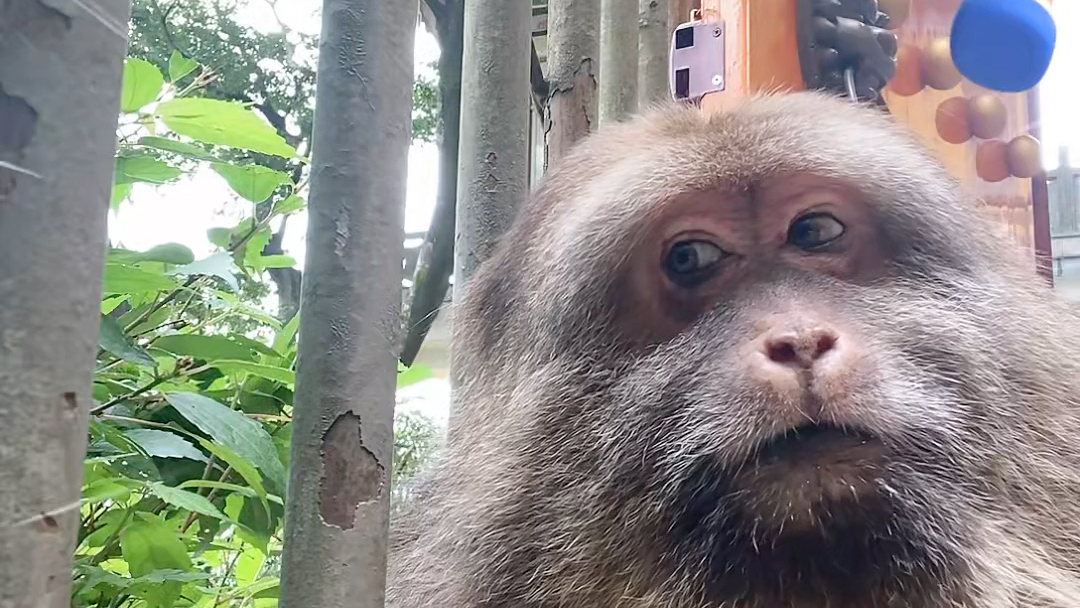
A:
(819, 444)
(794, 471)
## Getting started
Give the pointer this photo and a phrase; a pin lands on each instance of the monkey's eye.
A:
(814, 231)
(691, 263)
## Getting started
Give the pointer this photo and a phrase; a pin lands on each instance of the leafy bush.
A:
(183, 499)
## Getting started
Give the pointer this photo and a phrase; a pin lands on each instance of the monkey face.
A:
(771, 356)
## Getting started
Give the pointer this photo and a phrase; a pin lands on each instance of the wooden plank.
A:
(760, 49)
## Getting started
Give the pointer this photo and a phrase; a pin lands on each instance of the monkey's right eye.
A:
(690, 263)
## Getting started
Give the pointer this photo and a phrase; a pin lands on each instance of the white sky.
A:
(182, 212)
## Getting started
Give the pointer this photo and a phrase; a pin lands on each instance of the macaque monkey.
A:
(767, 358)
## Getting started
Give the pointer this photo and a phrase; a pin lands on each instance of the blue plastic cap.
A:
(1004, 45)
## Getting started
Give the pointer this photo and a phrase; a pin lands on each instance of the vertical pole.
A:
(573, 55)
(338, 497)
(60, 72)
(493, 170)
(618, 59)
(655, 19)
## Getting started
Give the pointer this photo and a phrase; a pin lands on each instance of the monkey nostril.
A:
(825, 343)
(782, 351)
(800, 350)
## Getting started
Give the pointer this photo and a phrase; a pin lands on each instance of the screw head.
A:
(716, 31)
(717, 80)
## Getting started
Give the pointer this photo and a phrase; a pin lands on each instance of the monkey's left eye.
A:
(814, 231)
(691, 263)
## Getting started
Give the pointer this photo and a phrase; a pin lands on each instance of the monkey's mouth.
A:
(791, 474)
(815, 442)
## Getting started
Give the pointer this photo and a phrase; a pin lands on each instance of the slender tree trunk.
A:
(573, 50)
(494, 170)
(618, 59)
(338, 497)
(432, 277)
(60, 71)
(654, 46)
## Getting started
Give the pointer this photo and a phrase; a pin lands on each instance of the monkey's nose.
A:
(800, 346)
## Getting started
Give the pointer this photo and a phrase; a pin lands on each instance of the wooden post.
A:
(759, 48)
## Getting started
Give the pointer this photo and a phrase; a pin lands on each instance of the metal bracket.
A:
(697, 60)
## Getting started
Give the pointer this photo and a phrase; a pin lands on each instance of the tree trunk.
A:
(573, 49)
(494, 169)
(654, 47)
(432, 277)
(618, 59)
(338, 496)
(60, 73)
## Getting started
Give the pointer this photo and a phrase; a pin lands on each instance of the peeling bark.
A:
(56, 165)
(351, 474)
(337, 515)
(573, 50)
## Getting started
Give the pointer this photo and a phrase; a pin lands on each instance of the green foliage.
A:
(426, 112)
(190, 435)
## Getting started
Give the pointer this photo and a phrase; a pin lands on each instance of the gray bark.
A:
(493, 170)
(573, 53)
(60, 71)
(338, 496)
(656, 20)
(618, 59)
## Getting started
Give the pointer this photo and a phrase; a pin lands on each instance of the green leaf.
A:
(270, 372)
(286, 335)
(253, 182)
(242, 466)
(233, 430)
(147, 544)
(253, 248)
(209, 348)
(110, 303)
(224, 123)
(189, 501)
(124, 279)
(276, 261)
(247, 566)
(131, 169)
(221, 485)
(141, 85)
(104, 489)
(412, 375)
(177, 147)
(163, 444)
(168, 253)
(111, 338)
(219, 237)
(219, 265)
(254, 345)
(180, 66)
(289, 204)
(120, 192)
